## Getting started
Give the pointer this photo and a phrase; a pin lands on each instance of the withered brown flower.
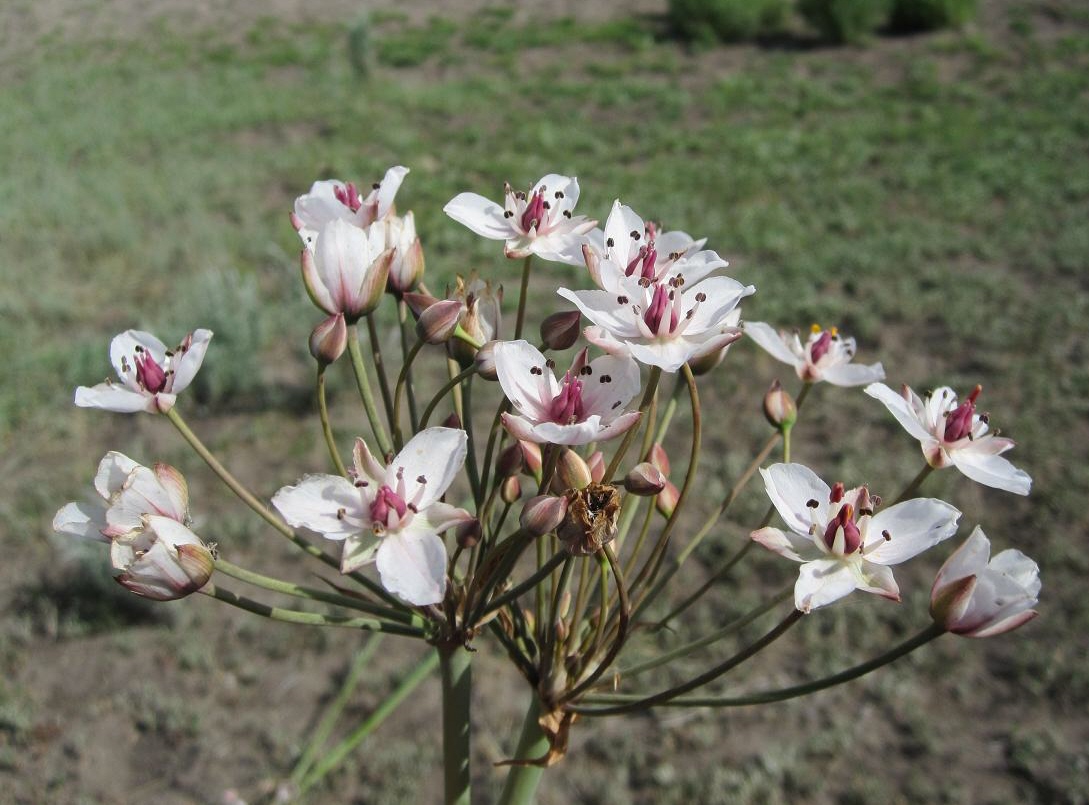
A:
(591, 518)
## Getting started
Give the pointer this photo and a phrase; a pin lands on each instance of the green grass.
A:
(935, 208)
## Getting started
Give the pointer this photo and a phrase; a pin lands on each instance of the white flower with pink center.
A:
(347, 268)
(842, 543)
(825, 355)
(540, 222)
(586, 405)
(162, 560)
(126, 492)
(333, 200)
(398, 504)
(975, 597)
(662, 324)
(951, 433)
(151, 375)
(630, 247)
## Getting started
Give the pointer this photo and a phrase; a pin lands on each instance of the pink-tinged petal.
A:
(786, 544)
(124, 346)
(822, 582)
(611, 384)
(967, 560)
(412, 565)
(175, 565)
(991, 470)
(565, 247)
(315, 284)
(519, 427)
(482, 216)
(604, 310)
(669, 356)
(800, 497)
(902, 410)
(141, 495)
(367, 466)
(719, 342)
(439, 517)
(772, 342)
(902, 531)
(82, 520)
(1003, 625)
(600, 337)
(878, 579)
(853, 374)
(185, 365)
(163, 402)
(113, 470)
(343, 257)
(436, 455)
(112, 397)
(575, 434)
(525, 377)
(327, 504)
(173, 482)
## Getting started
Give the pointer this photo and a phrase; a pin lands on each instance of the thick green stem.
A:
(326, 428)
(522, 780)
(364, 384)
(455, 662)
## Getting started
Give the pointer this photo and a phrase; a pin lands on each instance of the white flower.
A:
(399, 504)
(665, 323)
(630, 247)
(826, 355)
(126, 492)
(954, 434)
(407, 265)
(151, 375)
(333, 200)
(842, 544)
(586, 406)
(347, 268)
(539, 222)
(162, 560)
(977, 598)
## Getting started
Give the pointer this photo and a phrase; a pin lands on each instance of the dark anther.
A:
(886, 535)
(610, 243)
(559, 194)
(622, 300)
(634, 235)
(421, 479)
(567, 213)
(812, 504)
(616, 405)
(341, 512)
(701, 297)
(551, 364)
(606, 379)
(376, 185)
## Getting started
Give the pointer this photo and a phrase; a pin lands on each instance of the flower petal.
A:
(436, 455)
(327, 504)
(610, 385)
(902, 531)
(821, 582)
(112, 397)
(525, 377)
(772, 342)
(991, 470)
(482, 216)
(902, 410)
(113, 470)
(788, 544)
(82, 520)
(124, 346)
(186, 365)
(412, 565)
(794, 489)
(853, 374)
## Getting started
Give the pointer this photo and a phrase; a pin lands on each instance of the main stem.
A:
(522, 780)
(454, 661)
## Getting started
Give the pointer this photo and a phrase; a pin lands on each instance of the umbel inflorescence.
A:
(554, 531)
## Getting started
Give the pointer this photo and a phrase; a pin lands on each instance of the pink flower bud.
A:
(645, 479)
(329, 339)
(657, 456)
(572, 471)
(667, 499)
(561, 330)
(531, 454)
(510, 461)
(779, 407)
(419, 302)
(437, 323)
(468, 533)
(485, 361)
(543, 514)
(511, 489)
(596, 462)
(453, 421)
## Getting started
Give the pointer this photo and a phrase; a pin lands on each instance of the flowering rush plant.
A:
(495, 503)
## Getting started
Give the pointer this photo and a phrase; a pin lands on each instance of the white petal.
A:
(853, 374)
(911, 527)
(602, 308)
(531, 393)
(694, 267)
(413, 566)
(821, 582)
(565, 247)
(991, 470)
(967, 560)
(342, 257)
(358, 550)
(112, 397)
(669, 356)
(574, 434)
(141, 495)
(315, 502)
(619, 425)
(82, 520)
(366, 465)
(123, 348)
(792, 489)
(622, 221)
(787, 544)
(901, 409)
(877, 579)
(113, 470)
(769, 339)
(609, 398)
(519, 427)
(388, 188)
(435, 454)
(185, 366)
(722, 294)
(482, 216)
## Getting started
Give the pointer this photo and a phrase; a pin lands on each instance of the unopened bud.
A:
(572, 470)
(531, 455)
(484, 359)
(511, 489)
(543, 514)
(329, 339)
(657, 456)
(645, 480)
(561, 330)
(705, 363)
(510, 461)
(452, 421)
(667, 499)
(596, 463)
(419, 302)
(468, 533)
(779, 407)
(437, 323)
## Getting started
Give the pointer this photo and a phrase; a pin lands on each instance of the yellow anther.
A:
(834, 331)
(814, 328)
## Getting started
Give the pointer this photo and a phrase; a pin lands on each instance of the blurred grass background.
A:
(929, 195)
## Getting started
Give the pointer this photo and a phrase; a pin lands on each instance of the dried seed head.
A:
(591, 518)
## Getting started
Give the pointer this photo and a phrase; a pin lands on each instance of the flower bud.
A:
(645, 480)
(163, 560)
(705, 363)
(779, 407)
(418, 302)
(543, 514)
(561, 330)
(511, 490)
(437, 323)
(596, 463)
(531, 454)
(667, 499)
(657, 456)
(468, 533)
(329, 339)
(591, 518)
(452, 421)
(572, 471)
(407, 268)
(485, 361)
(510, 461)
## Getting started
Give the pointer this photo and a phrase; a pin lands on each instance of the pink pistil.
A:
(387, 501)
(659, 305)
(348, 196)
(820, 346)
(534, 214)
(959, 423)
(566, 408)
(852, 537)
(149, 374)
